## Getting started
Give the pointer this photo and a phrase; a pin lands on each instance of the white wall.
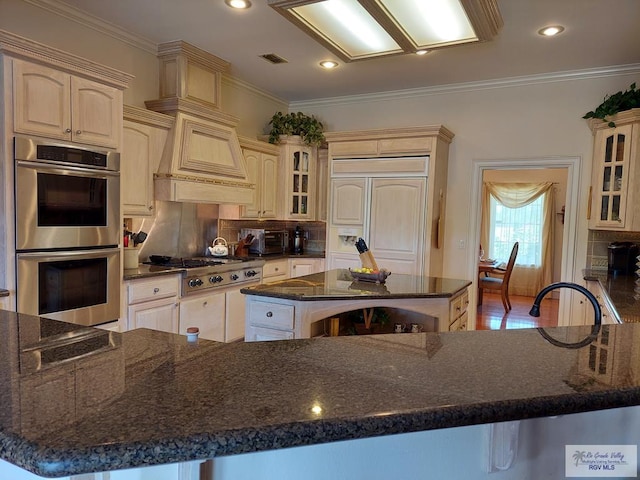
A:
(522, 119)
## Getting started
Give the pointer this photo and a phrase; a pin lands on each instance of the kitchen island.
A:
(101, 401)
(297, 307)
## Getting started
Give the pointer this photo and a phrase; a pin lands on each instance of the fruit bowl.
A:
(379, 276)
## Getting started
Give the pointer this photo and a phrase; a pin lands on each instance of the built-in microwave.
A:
(267, 242)
(67, 196)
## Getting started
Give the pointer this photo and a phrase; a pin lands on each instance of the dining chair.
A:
(498, 279)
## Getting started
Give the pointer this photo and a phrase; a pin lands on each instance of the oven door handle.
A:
(66, 169)
(67, 255)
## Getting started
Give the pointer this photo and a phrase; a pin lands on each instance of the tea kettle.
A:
(219, 247)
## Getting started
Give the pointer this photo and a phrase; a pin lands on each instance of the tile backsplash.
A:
(315, 231)
(599, 240)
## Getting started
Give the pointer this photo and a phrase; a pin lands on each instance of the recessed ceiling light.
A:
(239, 4)
(328, 64)
(422, 52)
(551, 30)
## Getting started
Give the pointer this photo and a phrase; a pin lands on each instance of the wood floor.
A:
(491, 314)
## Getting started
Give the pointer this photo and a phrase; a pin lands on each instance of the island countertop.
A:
(339, 285)
(146, 397)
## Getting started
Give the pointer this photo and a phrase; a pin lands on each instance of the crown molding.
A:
(569, 75)
(71, 13)
(234, 82)
(20, 47)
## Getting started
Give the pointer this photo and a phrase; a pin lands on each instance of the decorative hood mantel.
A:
(202, 160)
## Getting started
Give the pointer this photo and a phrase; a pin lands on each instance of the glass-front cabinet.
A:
(614, 181)
(299, 162)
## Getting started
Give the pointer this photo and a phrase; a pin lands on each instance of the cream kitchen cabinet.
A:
(298, 179)
(144, 135)
(269, 321)
(207, 312)
(305, 266)
(614, 202)
(262, 170)
(153, 303)
(275, 270)
(389, 187)
(55, 104)
(458, 311)
(220, 316)
(609, 314)
(322, 184)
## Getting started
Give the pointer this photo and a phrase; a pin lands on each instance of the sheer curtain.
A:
(533, 269)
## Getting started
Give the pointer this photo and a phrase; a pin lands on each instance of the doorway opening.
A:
(564, 172)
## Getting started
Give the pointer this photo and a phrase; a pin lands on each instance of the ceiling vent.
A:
(273, 58)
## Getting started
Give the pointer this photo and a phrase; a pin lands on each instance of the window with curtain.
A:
(523, 213)
(522, 224)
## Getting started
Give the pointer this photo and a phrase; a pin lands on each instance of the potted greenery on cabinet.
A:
(618, 102)
(309, 128)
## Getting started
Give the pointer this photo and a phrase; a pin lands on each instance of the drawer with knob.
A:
(154, 288)
(272, 315)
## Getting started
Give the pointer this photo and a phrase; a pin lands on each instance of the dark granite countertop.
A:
(148, 397)
(339, 285)
(622, 290)
(282, 256)
(144, 271)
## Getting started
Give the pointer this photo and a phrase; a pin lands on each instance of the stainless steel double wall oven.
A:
(67, 200)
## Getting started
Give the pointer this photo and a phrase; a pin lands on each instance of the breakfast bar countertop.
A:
(146, 397)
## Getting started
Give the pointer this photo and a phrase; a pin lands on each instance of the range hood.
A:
(202, 160)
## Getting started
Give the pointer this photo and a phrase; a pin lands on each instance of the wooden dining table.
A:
(486, 266)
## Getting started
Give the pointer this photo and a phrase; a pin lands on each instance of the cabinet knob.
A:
(150, 207)
(68, 130)
(269, 314)
(205, 303)
(78, 132)
(156, 290)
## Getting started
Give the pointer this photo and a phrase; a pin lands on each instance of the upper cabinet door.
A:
(610, 179)
(96, 113)
(41, 101)
(57, 105)
(269, 190)
(262, 170)
(254, 174)
(136, 176)
(298, 163)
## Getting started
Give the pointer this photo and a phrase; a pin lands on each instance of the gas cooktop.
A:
(195, 262)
